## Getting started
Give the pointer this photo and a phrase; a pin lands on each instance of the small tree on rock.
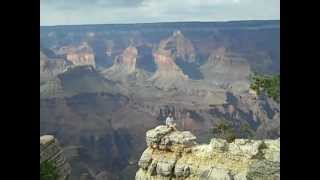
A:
(223, 129)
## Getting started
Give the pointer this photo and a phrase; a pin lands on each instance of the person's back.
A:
(170, 123)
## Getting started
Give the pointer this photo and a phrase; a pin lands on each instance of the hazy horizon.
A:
(87, 12)
(159, 22)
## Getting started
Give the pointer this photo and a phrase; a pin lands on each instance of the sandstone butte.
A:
(175, 155)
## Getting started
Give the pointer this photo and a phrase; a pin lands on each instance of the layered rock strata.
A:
(81, 55)
(173, 155)
(125, 68)
(50, 150)
(179, 46)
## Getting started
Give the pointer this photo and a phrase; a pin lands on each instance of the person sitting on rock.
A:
(170, 123)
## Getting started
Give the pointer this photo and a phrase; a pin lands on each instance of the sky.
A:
(71, 12)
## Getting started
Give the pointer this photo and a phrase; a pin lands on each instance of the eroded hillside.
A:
(103, 86)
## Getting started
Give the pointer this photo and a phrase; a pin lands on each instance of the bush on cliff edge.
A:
(48, 171)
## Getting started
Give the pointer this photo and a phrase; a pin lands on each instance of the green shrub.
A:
(246, 131)
(266, 84)
(223, 129)
(48, 171)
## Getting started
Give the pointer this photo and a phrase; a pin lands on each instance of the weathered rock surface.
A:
(124, 68)
(179, 46)
(164, 138)
(227, 68)
(50, 67)
(81, 55)
(50, 150)
(173, 155)
(126, 61)
(168, 74)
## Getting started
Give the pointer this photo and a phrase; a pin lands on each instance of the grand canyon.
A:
(102, 87)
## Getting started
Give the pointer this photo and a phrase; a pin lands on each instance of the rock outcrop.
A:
(179, 46)
(227, 68)
(81, 55)
(173, 155)
(127, 60)
(50, 150)
(168, 73)
(50, 67)
(124, 67)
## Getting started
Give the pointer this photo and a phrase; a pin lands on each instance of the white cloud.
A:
(117, 11)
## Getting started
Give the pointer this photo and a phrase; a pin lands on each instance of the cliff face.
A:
(124, 67)
(227, 68)
(168, 73)
(78, 102)
(81, 55)
(179, 46)
(126, 62)
(51, 150)
(51, 67)
(176, 155)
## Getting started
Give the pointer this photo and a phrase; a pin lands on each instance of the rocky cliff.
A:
(124, 67)
(168, 73)
(81, 55)
(224, 67)
(80, 103)
(176, 155)
(50, 150)
(179, 46)
(50, 67)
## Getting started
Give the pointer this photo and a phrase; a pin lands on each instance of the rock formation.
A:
(226, 68)
(81, 55)
(50, 150)
(179, 46)
(124, 67)
(168, 73)
(176, 155)
(51, 67)
(128, 59)
(78, 104)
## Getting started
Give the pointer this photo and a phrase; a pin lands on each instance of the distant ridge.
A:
(240, 22)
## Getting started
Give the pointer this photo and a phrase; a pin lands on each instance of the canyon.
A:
(102, 87)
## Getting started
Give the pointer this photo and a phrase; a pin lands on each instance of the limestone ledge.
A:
(173, 155)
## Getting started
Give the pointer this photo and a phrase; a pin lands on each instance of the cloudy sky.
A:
(65, 12)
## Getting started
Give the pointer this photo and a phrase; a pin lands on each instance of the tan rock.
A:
(218, 160)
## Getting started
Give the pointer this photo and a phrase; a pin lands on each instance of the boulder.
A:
(245, 147)
(145, 159)
(165, 167)
(216, 174)
(182, 171)
(182, 138)
(240, 176)
(271, 152)
(154, 136)
(165, 138)
(153, 168)
(219, 145)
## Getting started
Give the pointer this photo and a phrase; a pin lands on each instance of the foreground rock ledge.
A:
(173, 155)
(51, 150)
